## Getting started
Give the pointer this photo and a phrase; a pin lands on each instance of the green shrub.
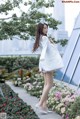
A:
(14, 63)
(13, 106)
(74, 109)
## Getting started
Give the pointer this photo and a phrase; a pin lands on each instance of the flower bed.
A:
(14, 106)
(61, 99)
(32, 81)
(34, 85)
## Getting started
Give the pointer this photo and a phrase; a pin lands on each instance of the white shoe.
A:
(37, 105)
(49, 111)
(41, 110)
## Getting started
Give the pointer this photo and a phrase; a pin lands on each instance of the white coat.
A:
(50, 58)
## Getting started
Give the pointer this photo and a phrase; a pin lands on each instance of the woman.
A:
(48, 62)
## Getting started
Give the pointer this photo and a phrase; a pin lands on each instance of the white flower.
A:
(40, 86)
(37, 75)
(37, 86)
(34, 82)
(63, 110)
(60, 105)
(19, 79)
(39, 83)
(28, 86)
(15, 83)
(19, 83)
(28, 79)
(24, 78)
(78, 117)
(40, 91)
(71, 100)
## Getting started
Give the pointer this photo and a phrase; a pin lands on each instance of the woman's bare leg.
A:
(49, 79)
(45, 83)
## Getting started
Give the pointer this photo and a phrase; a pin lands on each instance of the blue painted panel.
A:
(76, 76)
(59, 74)
(67, 56)
(70, 72)
(74, 60)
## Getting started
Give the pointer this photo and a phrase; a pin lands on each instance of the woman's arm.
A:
(44, 43)
(51, 41)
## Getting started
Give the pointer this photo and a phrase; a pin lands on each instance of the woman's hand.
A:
(51, 40)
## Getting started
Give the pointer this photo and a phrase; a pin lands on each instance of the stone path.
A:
(31, 100)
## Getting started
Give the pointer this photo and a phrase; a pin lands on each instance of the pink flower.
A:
(58, 95)
(66, 103)
(67, 116)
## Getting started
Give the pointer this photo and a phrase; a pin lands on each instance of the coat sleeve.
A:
(44, 43)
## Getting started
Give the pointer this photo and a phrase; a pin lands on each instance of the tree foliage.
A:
(24, 25)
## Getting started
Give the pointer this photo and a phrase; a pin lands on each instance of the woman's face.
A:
(45, 29)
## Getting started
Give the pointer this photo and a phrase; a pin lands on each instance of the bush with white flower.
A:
(21, 77)
(62, 100)
(35, 86)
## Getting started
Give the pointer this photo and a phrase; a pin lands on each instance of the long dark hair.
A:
(39, 32)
